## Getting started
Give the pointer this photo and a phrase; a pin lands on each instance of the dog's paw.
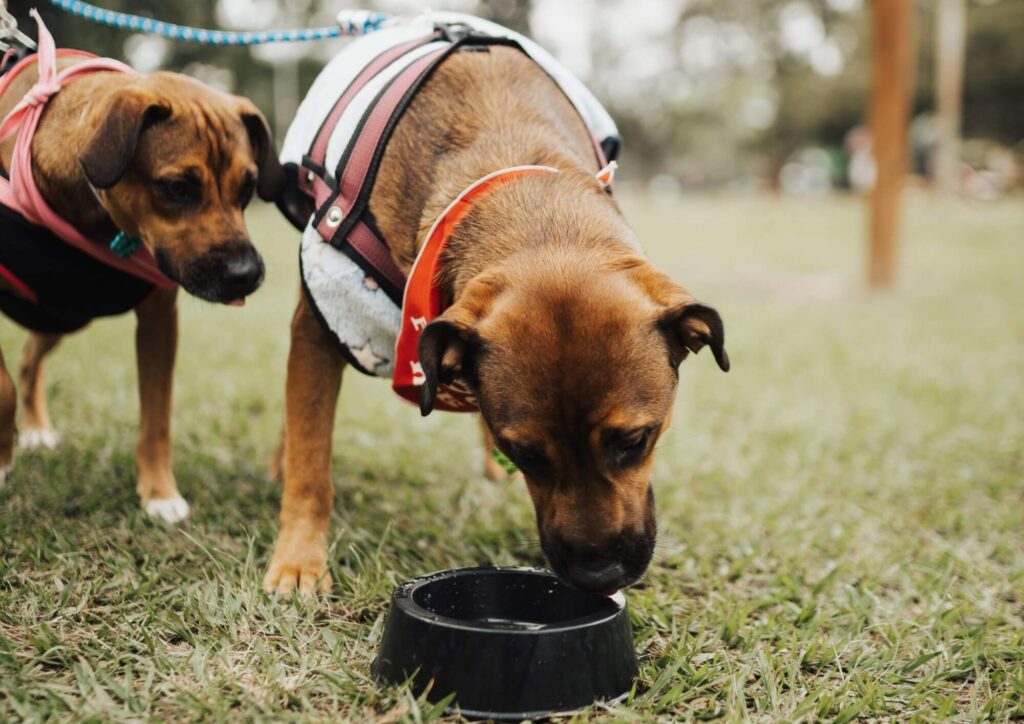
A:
(34, 438)
(284, 580)
(169, 510)
(5, 469)
(298, 566)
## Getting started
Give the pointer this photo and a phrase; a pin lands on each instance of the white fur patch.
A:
(33, 439)
(356, 310)
(169, 510)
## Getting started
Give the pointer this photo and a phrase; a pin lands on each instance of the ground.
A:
(841, 516)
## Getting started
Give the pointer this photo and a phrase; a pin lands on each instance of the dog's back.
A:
(480, 111)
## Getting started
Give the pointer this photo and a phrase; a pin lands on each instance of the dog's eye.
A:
(629, 448)
(247, 190)
(177, 190)
(528, 459)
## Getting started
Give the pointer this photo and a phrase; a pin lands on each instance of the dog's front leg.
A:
(156, 342)
(311, 395)
(8, 406)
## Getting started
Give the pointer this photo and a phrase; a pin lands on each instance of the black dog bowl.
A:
(510, 643)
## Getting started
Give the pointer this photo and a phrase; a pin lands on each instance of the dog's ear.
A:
(446, 350)
(106, 156)
(271, 179)
(689, 326)
(449, 345)
(686, 324)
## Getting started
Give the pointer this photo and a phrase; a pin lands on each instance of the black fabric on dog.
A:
(72, 287)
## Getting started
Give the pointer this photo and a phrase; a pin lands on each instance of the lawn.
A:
(841, 516)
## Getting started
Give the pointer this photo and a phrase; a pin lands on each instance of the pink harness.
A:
(20, 193)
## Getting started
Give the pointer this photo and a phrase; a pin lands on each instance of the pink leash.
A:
(21, 193)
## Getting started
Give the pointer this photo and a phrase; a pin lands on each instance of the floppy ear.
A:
(446, 351)
(271, 180)
(450, 344)
(106, 156)
(689, 326)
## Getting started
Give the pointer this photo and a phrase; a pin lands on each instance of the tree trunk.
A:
(891, 23)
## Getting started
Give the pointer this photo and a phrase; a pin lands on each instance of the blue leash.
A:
(360, 23)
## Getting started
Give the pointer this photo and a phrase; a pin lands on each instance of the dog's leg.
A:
(156, 342)
(311, 395)
(36, 430)
(8, 406)
(492, 470)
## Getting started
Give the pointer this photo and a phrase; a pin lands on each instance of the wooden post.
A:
(889, 117)
(950, 46)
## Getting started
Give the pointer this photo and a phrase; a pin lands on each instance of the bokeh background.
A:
(709, 94)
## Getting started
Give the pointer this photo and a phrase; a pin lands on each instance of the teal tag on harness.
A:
(124, 245)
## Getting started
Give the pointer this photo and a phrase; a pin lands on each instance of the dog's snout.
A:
(603, 565)
(243, 273)
(225, 273)
(601, 574)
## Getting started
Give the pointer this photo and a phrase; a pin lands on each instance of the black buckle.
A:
(455, 32)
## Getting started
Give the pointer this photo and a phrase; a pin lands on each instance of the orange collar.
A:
(423, 301)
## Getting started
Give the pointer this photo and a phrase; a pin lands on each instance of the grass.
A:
(841, 516)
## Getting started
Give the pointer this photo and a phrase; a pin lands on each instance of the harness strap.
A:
(336, 219)
(318, 149)
(20, 193)
(353, 171)
(377, 254)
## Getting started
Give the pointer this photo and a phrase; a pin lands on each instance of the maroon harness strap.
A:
(335, 208)
(373, 249)
(318, 150)
(366, 144)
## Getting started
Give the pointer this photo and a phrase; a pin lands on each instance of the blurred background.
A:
(709, 94)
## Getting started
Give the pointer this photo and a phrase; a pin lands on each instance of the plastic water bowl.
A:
(510, 643)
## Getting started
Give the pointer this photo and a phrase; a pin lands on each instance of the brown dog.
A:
(174, 163)
(568, 337)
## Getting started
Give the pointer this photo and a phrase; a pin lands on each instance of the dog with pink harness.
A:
(118, 189)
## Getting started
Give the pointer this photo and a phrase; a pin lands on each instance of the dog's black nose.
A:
(601, 575)
(226, 274)
(242, 274)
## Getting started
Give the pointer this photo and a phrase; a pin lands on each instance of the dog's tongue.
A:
(240, 302)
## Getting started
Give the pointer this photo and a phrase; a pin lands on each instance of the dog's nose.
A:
(242, 274)
(601, 575)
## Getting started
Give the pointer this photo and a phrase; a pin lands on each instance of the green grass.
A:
(841, 516)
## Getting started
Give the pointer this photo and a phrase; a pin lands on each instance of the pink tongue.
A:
(237, 302)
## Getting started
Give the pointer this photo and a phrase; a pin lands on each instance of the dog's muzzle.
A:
(225, 274)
